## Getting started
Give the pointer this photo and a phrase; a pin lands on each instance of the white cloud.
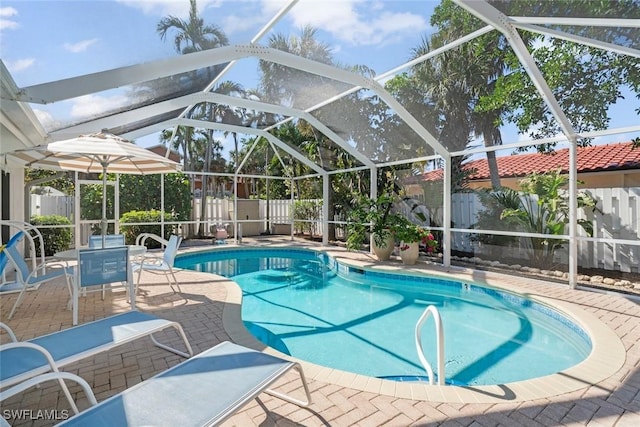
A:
(93, 105)
(79, 46)
(5, 23)
(346, 22)
(19, 65)
(46, 119)
(243, 20)
(164, 8)
(8, 11)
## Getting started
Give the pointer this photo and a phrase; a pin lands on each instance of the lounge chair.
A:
(18, 364)
(29, 353)
(154, 264)
(7, 286)
(202, 391)
(26, 279)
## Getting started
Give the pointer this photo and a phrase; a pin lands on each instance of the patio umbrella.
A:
(96, 153)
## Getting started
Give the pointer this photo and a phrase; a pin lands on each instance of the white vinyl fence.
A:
(618, 218)
(52, 205)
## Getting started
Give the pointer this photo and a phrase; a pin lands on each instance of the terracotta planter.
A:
(409, 255)
(383, 253)
(221, 234)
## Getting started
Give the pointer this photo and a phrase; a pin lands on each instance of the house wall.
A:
(12, 197)
(608, 179)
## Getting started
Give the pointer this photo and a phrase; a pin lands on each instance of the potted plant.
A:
(374, 219)
(411, 236)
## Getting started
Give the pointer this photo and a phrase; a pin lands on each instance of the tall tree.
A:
(221, 113)
(288, 86)
(193, 35)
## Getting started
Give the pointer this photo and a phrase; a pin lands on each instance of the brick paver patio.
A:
(202, 310)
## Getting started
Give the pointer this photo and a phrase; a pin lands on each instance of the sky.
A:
(47, 40)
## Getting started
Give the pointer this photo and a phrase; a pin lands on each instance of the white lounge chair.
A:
(202, 391)
(18, 363)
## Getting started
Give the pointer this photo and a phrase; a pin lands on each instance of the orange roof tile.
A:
(590, 159)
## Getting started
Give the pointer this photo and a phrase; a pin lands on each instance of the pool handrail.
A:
(431, 310)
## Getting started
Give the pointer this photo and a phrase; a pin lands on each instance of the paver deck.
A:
(208, 310)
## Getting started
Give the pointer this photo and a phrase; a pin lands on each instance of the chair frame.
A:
(51, 376)
(157, 265)
(113, 265)
(38, 261)
(4, 262)
(34, 278)
(23, 385)
(110, 240)
(129, 326)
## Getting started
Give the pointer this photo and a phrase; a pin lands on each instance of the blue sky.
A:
(47, 40)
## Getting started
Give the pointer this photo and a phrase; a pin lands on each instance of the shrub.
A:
(135, 217)
(308, 210)
(55, 239)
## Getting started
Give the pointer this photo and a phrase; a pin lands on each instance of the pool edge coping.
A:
(606, 358)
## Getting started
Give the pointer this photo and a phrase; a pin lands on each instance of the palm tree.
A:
(456, 80)
(193, 35)
(289, 86)
(214, 113)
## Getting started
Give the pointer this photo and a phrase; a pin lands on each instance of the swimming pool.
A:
(306, 304)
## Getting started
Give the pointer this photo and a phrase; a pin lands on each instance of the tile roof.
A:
(597, 158)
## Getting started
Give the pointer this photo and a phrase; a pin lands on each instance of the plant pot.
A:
(383, 252)
(409, 255)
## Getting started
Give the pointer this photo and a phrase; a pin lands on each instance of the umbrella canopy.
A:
(96, 153)
(93, 153)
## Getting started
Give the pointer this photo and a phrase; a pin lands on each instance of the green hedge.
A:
(131, 232)
(55, 239)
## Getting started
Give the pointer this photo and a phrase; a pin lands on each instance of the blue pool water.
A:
(307, 305)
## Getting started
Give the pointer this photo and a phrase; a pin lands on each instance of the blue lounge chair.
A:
(202, 391)
(18, 364)
(29, 352)
(9, 286)
(26, 279)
